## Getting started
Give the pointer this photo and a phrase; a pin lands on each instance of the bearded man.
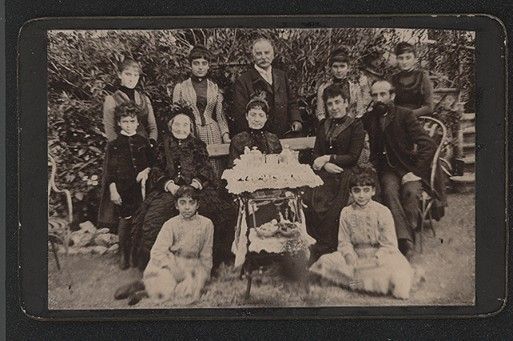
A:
(401, 151)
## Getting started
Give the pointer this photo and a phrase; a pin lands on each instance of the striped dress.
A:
(207, 107)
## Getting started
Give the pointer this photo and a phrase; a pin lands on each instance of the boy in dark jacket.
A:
(130, 158)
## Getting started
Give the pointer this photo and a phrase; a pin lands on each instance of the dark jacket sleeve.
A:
(240, 100)
(427, 93)
(350, 158)
(158, 176)
(236, 149)
(425, 145)
(152, 123)
(204, 171)
(365, 119)
(109, 124)
(274, 143)
(150, 154)
(293, 106)
(110, 169)
(319, 140)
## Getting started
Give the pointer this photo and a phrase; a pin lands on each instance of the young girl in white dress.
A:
(367, 257)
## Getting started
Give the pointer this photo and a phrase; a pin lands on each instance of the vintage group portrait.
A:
(261, 167)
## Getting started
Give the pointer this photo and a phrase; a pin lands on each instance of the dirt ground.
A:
(448, 261)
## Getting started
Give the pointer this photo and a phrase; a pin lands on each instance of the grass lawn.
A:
(448, 260)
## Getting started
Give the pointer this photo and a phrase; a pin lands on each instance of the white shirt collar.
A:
(266, 74)
(126, 134)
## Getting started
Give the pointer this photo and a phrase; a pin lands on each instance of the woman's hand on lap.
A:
(172, 188)
(320, 162)
(297, 126)
(196, 184)
(333, 168)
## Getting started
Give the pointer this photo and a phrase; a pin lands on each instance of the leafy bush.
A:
(82, 70)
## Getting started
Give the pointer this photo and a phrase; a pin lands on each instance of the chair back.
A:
(438, 132)
(53, 186)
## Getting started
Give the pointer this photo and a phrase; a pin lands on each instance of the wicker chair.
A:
(436, 130)
(56, 224)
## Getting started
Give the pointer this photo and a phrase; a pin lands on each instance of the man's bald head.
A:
(262, 42)
(383, 84)
(382, 91)
(263, 52)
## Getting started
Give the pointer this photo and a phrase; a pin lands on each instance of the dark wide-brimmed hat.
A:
(372, 61)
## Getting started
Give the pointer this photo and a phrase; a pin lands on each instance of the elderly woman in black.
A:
(183, 160)
(338, 145)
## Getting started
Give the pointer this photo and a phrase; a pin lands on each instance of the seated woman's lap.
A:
(223, 213)
(159, 211)
(323, 211)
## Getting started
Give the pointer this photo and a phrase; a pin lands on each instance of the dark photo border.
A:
(491, 126)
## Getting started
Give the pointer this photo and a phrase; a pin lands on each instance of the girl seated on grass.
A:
(181, 258)
(367, 257)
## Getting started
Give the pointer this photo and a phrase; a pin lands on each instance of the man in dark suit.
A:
(262, 77)
(401, 151)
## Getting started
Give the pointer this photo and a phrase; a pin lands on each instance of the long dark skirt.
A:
(159, 207)
(323, 212)
(108, 215)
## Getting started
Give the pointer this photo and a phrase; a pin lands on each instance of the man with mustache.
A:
(263, 77)
(401, 151)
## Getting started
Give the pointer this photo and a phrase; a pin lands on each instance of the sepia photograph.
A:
(261, 167)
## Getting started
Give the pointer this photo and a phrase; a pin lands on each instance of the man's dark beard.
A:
(380, 108)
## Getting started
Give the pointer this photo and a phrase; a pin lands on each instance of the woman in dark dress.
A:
(255, 136)
(338, 145)
(183, 160)
(292, 266)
